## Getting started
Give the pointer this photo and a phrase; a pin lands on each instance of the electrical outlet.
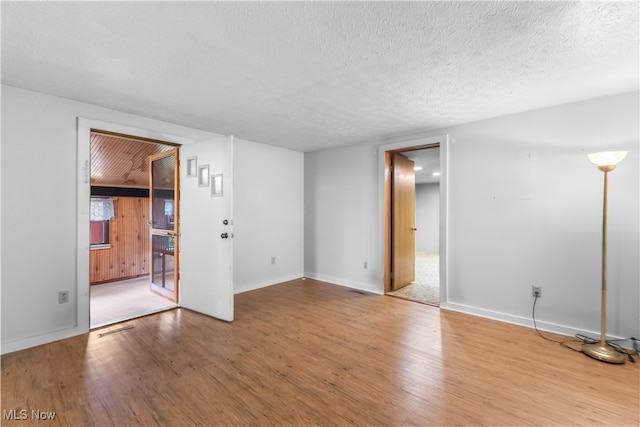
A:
(273, 260)
(63, 297)
(366, 265)
(536, 291)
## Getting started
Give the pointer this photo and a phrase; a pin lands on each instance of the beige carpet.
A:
(426, 288)
(117, 301)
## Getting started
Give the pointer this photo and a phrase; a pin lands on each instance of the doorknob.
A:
(224, 236)
(225, 222)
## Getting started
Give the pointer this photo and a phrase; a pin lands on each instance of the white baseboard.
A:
(555, 328)
(23, 343)
(246, 287)
(369, 287)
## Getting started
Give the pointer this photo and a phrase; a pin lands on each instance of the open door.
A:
(163, 221)
(206, 227)
(403, 214)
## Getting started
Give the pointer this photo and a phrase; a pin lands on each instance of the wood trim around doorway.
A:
(388, 249)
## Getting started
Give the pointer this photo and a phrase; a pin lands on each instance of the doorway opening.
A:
(133, 233)
(413, 223)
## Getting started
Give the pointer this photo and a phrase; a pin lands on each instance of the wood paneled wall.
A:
(129, 238)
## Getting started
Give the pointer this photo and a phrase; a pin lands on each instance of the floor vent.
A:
(115, 331)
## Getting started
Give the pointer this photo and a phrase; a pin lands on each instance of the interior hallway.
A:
(426, 287)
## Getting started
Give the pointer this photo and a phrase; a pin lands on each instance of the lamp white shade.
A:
(607, 158)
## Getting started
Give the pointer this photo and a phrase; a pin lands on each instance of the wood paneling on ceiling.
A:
(121, 162)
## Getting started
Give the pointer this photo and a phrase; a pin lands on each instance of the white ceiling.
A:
(428, 162)
(310, 75)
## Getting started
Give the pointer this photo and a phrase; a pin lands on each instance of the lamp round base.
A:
(604, 353)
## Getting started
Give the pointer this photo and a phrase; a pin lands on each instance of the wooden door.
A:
(163, 221)
(403, 219)
(206, 227)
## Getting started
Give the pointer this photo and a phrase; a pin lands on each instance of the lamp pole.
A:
(603, 309)
(601, 350)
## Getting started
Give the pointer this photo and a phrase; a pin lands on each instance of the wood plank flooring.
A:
(311, 353)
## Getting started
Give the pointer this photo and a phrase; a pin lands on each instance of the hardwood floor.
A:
(310, 353)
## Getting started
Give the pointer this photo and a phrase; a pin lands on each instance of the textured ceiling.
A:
(428, 162)
(309, 75)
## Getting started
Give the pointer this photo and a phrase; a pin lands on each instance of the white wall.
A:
(524, 208)
(39, 209)
(268, 215)
(524, 203)
(427, 217)
(341, 200)
(39, 164)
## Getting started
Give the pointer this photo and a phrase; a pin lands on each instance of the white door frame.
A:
(443, 141)
(83, 195)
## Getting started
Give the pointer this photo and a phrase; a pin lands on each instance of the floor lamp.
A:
(606, 162)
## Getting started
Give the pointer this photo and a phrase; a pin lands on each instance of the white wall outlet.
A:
(273, 260)
(63, 297)
(366, 265)
(536, 291)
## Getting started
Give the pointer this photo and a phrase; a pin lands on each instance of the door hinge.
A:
(392, 275)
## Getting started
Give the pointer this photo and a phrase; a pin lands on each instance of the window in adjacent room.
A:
(102, 211)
